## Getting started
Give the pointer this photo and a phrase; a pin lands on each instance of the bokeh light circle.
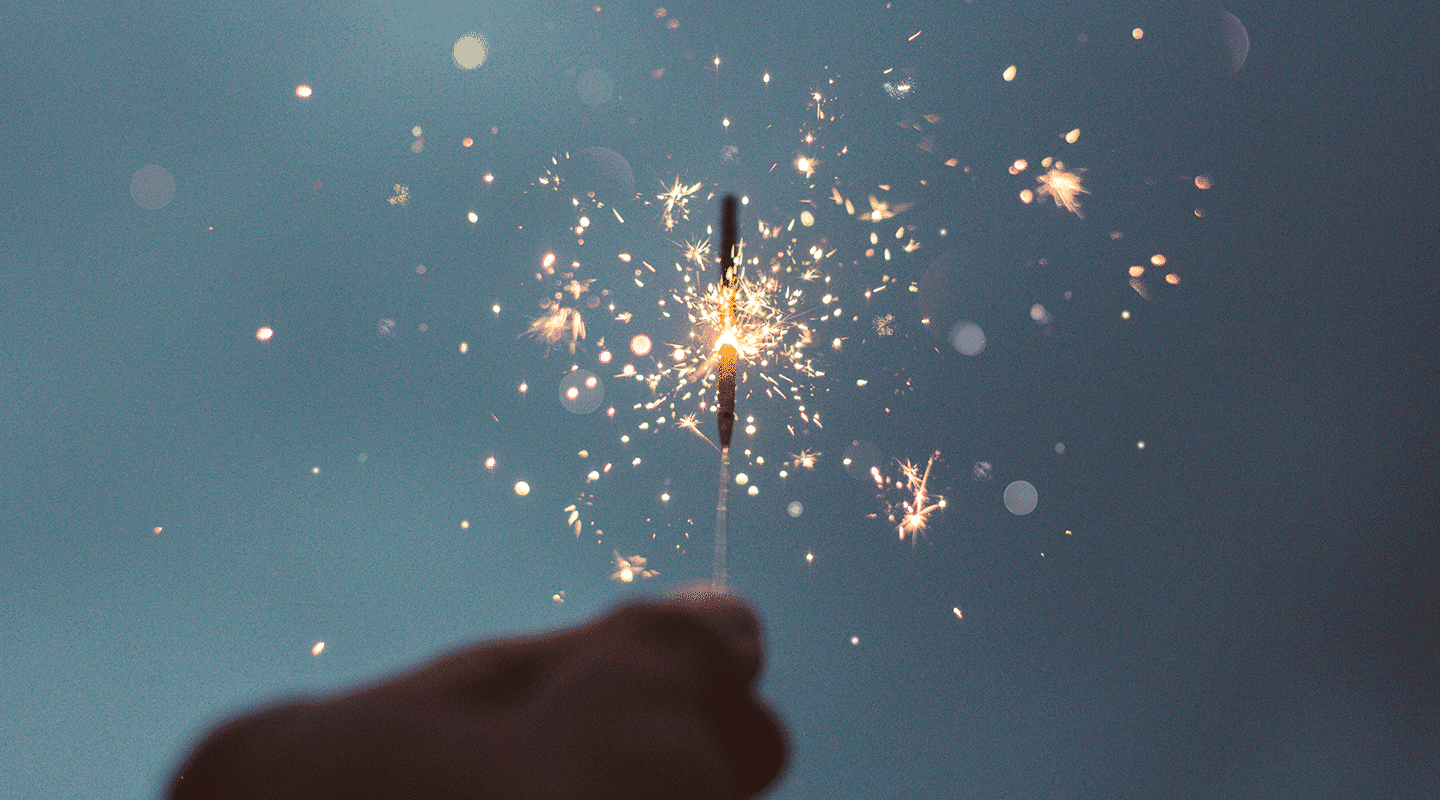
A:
(595, 87)
(581, 391)
(1021, 498)
(470, 50)
(967, 338)
(152, 187)
(795, 509)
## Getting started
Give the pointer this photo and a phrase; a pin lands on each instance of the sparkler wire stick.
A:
(725, 396)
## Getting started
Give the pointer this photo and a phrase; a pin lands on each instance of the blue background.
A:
(1244, 608)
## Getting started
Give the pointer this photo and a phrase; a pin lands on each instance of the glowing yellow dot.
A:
(467, 142)
(1138, 33)
(473, 217)
(1140, 445)
(264, 334)
(1157, 260)
(464, 524)
(317, 649)
(802, 164)
(640, 344)
(1136, 271)
(303, 91)
(470, 50)
(1203, 182)
(1009, 73)
(1125, 314)
(854, 640)
(809, 558)
(742, 478)
(522, 488)
(1172, 279)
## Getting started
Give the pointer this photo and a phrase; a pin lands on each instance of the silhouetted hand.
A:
(653, 700)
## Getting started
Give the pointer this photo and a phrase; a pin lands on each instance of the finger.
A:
(731, 619)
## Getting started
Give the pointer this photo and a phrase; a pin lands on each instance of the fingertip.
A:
(723, 610)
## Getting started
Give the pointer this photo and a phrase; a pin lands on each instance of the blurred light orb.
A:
(967, 338)
(1235, 40)
(264, 334)
(795, 509)
(595, 87)
(1021, 498)
(522, 488)
(640, 345)
(581, 391)
(303, 91)
(152, 187)
(604, 172)
(470, 50)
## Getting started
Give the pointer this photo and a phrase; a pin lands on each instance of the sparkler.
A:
(725, 396)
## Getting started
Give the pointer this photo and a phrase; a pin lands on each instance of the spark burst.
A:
(772, 333)
(1062, 186)
(675, 202)
(628, 569)
(911, 513)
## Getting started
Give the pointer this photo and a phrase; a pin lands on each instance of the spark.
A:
(1062, 186)
(911, 514)
(879, 209)
(628, 569)
(676, 202)
(559, 323)
(695, 252)
(805, 459)
(402, 196)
